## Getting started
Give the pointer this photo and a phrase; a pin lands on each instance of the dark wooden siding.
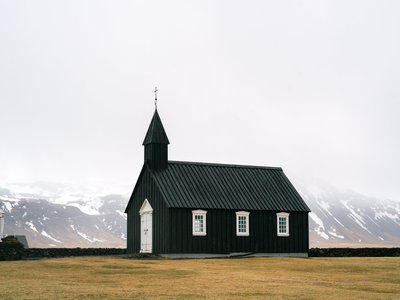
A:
(156, 155)
(221, 233)
(146, 189)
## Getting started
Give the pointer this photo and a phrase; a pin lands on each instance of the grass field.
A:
(280, 278)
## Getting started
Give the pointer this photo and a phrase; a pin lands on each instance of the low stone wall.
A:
(63, 252)
(13, 253)
(16, 252)
(353, 252)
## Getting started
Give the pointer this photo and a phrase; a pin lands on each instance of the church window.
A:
(242, 223)
(199, 220)
(282, 223)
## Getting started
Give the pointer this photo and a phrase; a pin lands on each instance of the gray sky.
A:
(310, 86)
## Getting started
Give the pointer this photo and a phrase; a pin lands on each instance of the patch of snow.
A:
(324, 235)
(88, 203)
(8, 206)
(321, 228)
(30, 224)
(65, 198)
(385, 214)
(123, 236)
(317, 220)
(336, 235)
(397, 208)
(44, 233)
(325, 206)
(5, 198)
(355, 216)
(86, 237)
(338, 221)
(24, 215)
(373, 221)
(381, 238)
(52, 245)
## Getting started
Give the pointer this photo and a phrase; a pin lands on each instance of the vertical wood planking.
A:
(221, 233)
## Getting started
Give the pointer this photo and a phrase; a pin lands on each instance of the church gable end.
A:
(146, 195)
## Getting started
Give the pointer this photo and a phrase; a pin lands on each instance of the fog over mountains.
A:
(61, 215)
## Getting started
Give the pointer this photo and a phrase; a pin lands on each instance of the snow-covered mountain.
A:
(60, 215)
(341, 218)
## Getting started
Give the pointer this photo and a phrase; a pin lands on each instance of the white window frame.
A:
(246, 215)
(286, 216)
(202, 213)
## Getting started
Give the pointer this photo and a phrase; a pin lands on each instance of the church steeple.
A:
(156, 144)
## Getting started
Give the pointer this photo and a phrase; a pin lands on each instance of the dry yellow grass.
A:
(280, 278)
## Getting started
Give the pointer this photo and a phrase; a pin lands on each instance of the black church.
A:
(191, 209)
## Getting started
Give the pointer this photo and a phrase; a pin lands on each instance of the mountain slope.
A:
(57, 215)
(345, 218)
(94, 221)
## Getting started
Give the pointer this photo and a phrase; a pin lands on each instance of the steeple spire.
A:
(156, 144)
(155, 97)
(156, 133)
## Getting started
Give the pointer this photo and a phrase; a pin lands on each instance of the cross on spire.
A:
(155, 99)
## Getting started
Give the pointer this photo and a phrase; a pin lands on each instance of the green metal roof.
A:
(156, 133)
(220, 186)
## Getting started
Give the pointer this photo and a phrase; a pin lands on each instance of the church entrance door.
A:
(146, 228)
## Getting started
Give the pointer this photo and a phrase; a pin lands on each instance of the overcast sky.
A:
(311, 86)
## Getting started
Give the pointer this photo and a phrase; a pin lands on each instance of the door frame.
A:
(146, 211)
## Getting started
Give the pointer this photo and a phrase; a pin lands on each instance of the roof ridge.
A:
(223, 165)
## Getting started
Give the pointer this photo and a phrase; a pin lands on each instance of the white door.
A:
(146, 237)
(146, 227)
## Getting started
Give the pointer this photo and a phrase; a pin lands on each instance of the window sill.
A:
(242, 234)
(199, 233)
(283, 234)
